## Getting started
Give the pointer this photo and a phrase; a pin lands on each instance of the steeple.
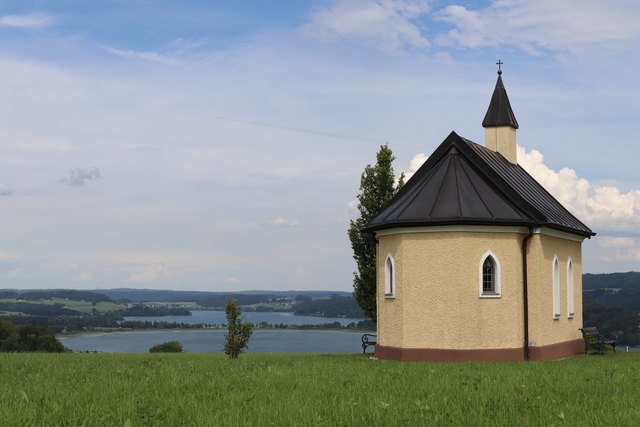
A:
(500, 123)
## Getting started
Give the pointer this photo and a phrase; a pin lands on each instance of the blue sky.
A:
(218, 145)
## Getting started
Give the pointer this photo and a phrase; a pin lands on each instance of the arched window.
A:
(389, 277)
(489, 276)
(556, 288)
(570, 307)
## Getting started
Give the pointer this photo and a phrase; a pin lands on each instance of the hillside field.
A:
(303, 389)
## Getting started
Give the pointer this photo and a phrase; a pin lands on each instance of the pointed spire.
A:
(500, 112)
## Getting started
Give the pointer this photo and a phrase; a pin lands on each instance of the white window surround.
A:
(555, 288)
(497, 277)
(389, 277)
(570, 304)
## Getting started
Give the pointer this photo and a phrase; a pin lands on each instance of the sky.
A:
(218, 145)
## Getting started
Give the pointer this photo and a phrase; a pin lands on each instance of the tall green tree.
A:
(377, 187)
(239, 331)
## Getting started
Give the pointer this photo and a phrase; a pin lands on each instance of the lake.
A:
(212, 341)
(219, 317)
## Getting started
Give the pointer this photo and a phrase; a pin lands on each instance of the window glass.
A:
(389, 277)
(556, 289)
(488, 275)
(570, 307)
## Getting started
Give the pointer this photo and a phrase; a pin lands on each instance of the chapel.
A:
(476, 261)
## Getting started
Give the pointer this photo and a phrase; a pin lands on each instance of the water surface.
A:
(219, 317)
(212, 341)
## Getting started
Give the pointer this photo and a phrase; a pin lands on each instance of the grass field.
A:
(302, 389)
(81, 306)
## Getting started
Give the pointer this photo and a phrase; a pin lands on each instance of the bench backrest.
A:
(590, 333)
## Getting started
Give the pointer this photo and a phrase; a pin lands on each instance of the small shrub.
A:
(167, 347)
(239, 332)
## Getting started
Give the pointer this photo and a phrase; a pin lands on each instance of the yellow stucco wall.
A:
(502, 139)
(544, 329)
(390, 309)
(437, 303)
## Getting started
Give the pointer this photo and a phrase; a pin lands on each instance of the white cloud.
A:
(151, 274)
(633, 254)
(630, 254)
(83, 277)
(567, 25)
(83, 274)
(35, 20)
(5, 190)
(302, 276)
(615, 242)
(282, 222)
(146, 56)
(8, 256)
(600, 207)
(231, 280)
(389, 25)
(414, 165)
(352, 207)
(444, 58)
(19, 271)
(82, 175)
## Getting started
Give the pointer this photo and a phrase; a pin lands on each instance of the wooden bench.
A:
(593, 339)
(368, 340)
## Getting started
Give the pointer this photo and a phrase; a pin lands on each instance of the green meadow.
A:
(81, 306)
(307, 390)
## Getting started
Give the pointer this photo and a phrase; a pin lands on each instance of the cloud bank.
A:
(567, 25)
(29, 21)
(396, 26)
(388, 25)
(146, 56)
(601, 207)
(282, 222)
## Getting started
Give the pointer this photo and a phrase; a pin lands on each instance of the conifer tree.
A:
(377, 187)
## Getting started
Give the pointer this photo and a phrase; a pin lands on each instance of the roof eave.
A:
(497, 223)
(400, 224)
(585, 233)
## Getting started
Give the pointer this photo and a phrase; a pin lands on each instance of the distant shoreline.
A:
(122, 330)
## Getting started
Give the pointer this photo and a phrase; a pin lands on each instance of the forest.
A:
(335, 306)
(611, 302)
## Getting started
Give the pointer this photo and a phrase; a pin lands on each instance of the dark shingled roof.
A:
(499, 112)
(465, 183)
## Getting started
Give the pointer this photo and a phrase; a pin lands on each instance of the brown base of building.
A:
(549, 352)
(561, 350)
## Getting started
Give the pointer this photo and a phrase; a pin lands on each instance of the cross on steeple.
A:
(499, 63)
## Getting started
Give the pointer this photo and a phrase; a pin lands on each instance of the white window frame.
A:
(497, 276)
(555, 288)
(570, 290)
(389, 277)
